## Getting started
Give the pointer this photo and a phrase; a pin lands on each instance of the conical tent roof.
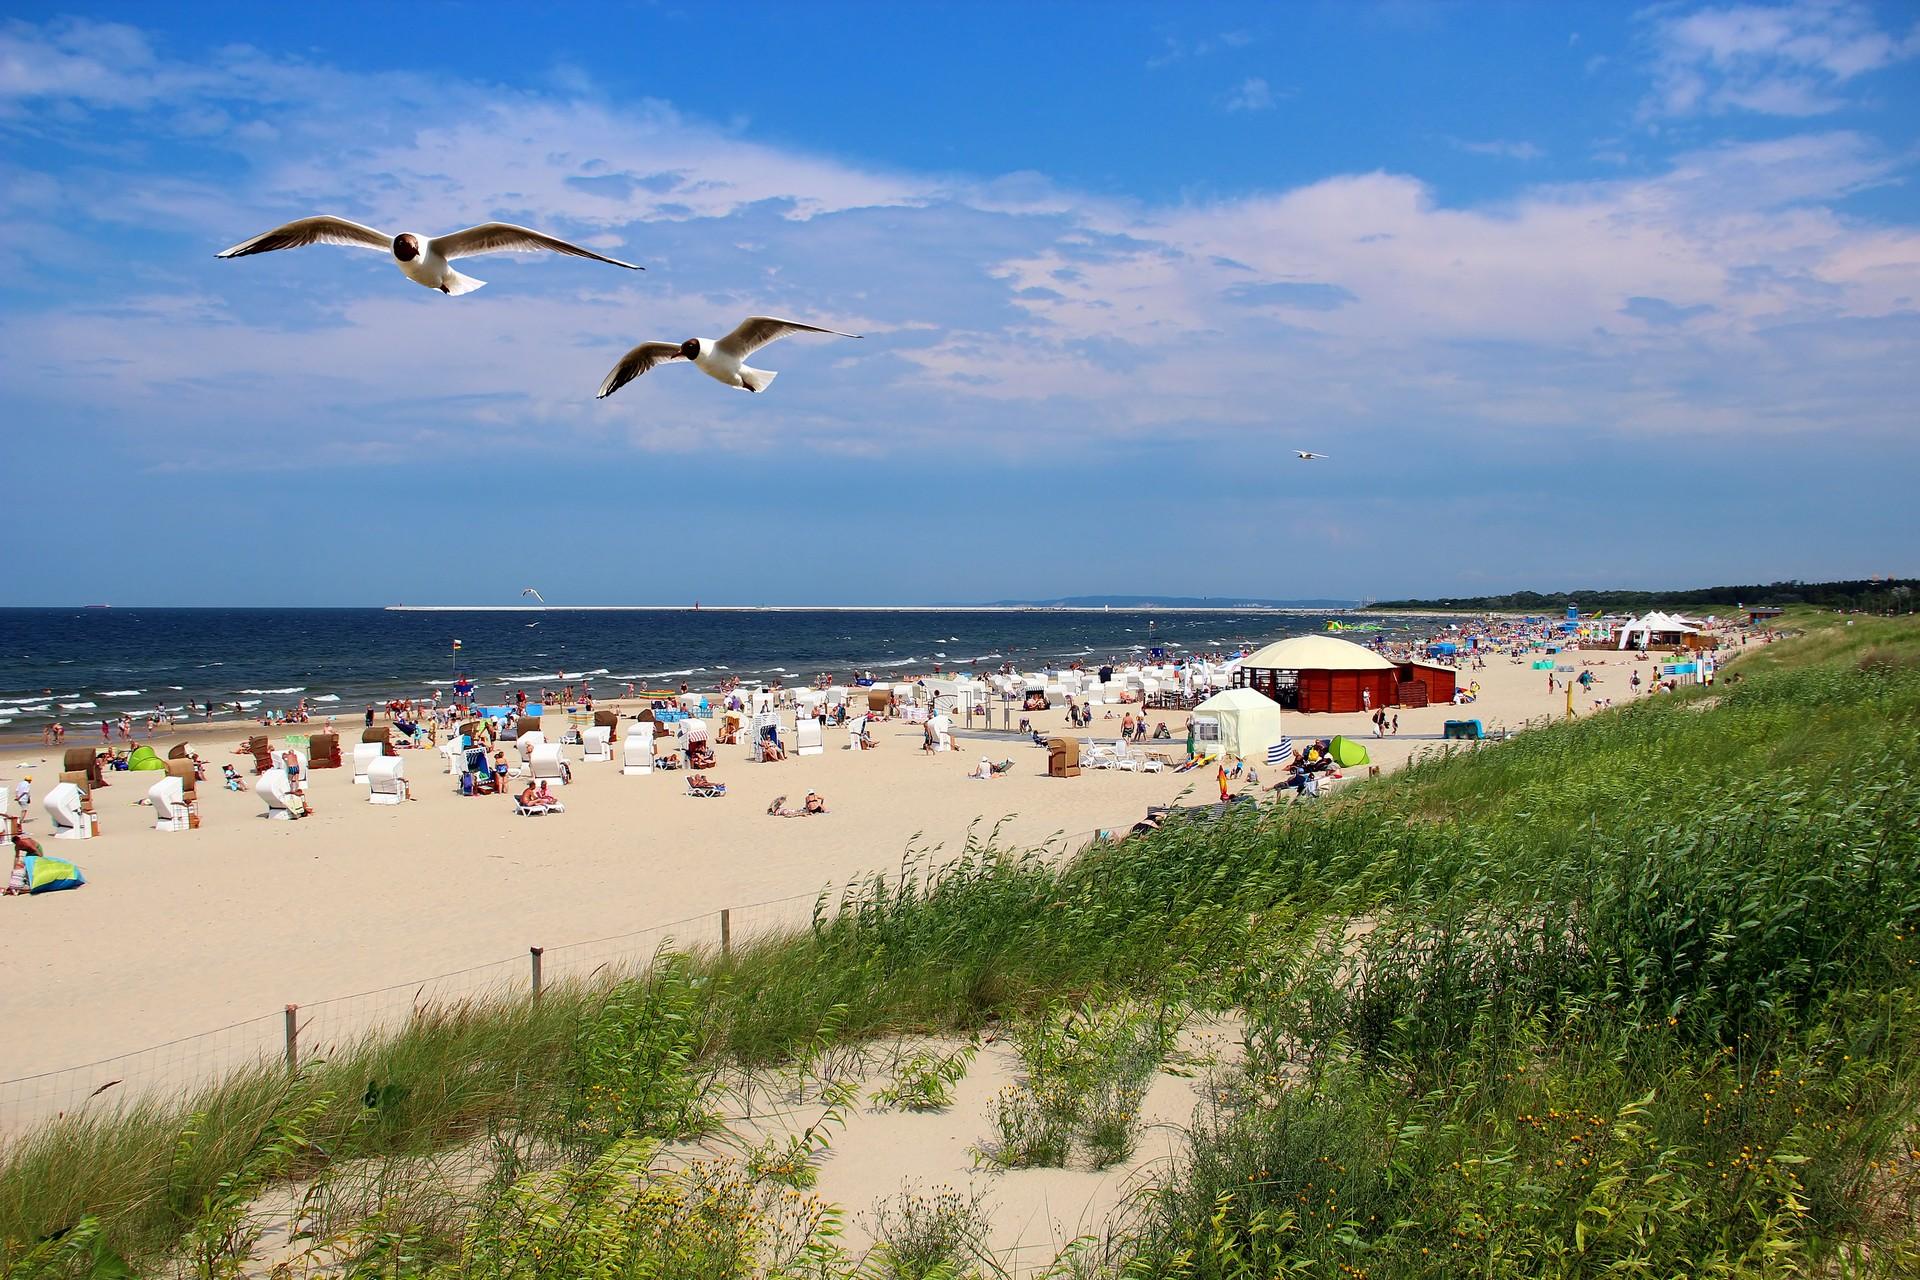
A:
(1316, 653)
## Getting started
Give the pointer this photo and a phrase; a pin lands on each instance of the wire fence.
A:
(302, 1033)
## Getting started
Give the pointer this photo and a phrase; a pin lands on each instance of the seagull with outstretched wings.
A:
(425, 260)
(720, 360)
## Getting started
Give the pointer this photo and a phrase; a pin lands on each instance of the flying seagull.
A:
(422, 259)
(1304, 456)
(718, 360)
(529, 591)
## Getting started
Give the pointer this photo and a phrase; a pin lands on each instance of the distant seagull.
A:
(718, 360)
(422, 259)
(1304, 456)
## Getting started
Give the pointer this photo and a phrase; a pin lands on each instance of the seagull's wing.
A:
(635, 363)
(325, 229)
(756, 332)
(504, 237)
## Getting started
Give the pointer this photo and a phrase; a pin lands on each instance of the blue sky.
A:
(1575, 295)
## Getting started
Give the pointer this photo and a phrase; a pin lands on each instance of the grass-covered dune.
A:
(1630, 995)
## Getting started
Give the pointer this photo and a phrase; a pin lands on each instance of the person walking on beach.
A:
(1396, 723)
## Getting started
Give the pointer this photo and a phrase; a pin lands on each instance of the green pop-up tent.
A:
(144, 758)
(1347, 753)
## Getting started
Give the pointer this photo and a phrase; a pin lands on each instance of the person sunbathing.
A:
(771, 750)
(814, 803)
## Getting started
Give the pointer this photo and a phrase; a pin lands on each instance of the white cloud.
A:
(1500, 147)
(1012, 312)
(1792, 59)
(1251, 94)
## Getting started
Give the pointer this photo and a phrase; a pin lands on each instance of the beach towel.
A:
(49, 875)
(1280, 752)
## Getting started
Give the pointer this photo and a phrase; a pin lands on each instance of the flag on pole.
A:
(456, 644)
(1280, 752)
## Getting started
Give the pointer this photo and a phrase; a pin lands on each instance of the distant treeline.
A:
(1876, 595)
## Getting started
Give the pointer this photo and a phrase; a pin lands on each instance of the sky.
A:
(1572, 295)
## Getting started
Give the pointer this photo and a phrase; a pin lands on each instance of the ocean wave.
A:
(120, 693)
(247, 706)
(176, 687)
(328, 697)
(78, 706)
(298, 688)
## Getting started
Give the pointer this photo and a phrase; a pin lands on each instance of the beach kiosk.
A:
(1320, 673)
(1236, 722)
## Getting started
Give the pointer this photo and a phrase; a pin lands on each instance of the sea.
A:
(83, 665)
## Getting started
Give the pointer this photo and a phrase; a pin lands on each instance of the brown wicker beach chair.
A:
(323, 751)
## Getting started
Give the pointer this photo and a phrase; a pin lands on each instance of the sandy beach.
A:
(178, 933)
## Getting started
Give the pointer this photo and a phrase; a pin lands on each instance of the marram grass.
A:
(1631, 995)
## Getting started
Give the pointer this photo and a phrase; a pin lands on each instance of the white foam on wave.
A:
(328, 697)
(78, 706)
(176, 687)
(247, 706)
(120, 693)
(298, 688)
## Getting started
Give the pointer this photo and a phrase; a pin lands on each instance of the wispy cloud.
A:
(1794, 59)
(1179, 48)
(1251, 94)
(1012, 310)
(1501, 148)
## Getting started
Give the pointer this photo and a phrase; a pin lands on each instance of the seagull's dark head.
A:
(690, 348)
(406, 247)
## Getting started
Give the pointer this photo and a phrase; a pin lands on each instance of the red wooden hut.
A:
(1321, 673)
(1425, 685)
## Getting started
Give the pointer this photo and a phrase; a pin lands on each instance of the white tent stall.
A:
(1237, 722)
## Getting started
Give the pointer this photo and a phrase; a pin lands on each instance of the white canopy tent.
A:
(1237, 722)
(1641, 632)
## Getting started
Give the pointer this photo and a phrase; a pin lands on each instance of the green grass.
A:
(1681, 932)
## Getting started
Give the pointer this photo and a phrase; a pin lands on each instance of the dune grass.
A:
(1634, 992)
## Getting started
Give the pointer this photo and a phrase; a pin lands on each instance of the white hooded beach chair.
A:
(636, 750)
(596, 743)
(364, 754)
(63, 809)
(806, 738)
(275, 793)
(453, 754)
(941, 727)
(387, 779)
(530, 743)
(169, 798)
(549, 765)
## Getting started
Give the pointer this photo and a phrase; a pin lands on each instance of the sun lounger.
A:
(274, 792)
(65, 808)
(523, 810)
(636, 751)
(704, 789)
(387, 780)
(170, 812)
(325, 750)
(188, 774)
(549, 765)
(364, 754)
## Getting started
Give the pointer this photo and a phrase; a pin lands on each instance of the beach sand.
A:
(178, 933)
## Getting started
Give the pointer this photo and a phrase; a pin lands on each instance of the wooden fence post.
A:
(726, 931)
(534, 953)
(293, 1037)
